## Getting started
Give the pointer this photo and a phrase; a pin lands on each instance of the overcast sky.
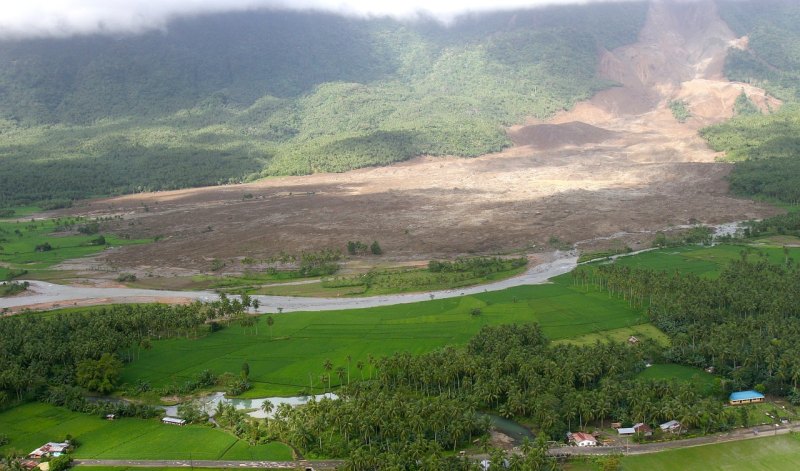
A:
(30, 18)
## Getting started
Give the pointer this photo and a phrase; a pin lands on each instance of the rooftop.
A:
(745, 395)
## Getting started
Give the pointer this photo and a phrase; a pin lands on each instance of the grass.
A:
(19, 240)
(705, 261)
(780, 453)
(19, 211)
(31, 425)
(700, 378)
(292, 357)
(642, 332)
(382, 281)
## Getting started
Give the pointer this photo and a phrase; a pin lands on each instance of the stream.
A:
(209, 403)
(513, 430)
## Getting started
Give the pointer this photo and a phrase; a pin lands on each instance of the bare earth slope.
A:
(617, 163)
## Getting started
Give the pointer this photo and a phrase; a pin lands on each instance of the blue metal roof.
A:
(745, 395)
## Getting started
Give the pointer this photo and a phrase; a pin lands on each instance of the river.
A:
(43, 294)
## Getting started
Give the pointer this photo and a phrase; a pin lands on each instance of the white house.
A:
(582, 439)
(173, 421)
(673, 426)
(626, 431)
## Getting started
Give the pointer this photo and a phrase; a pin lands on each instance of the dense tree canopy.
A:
(224, 98)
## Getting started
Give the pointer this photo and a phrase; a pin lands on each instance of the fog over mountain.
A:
(59, 18)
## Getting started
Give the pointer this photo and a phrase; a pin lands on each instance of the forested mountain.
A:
(221, 98)
(766, 147)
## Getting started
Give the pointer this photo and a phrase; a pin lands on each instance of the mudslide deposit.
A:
(619, 162)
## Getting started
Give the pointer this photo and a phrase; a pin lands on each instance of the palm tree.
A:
(342, 373)
(267, 407)
(270, 323)
(328, 365)
(360, 366)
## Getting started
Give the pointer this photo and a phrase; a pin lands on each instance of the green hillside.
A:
(765, 147)
(226, 98)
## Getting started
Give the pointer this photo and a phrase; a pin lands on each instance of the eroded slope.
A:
(619, 162)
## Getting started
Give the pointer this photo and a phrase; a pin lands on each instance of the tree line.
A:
(89, 348)
(746, 323)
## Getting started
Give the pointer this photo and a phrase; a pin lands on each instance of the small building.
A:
(111, 417)
(50, 449)
(633, 340)
(616, 425)
(173, 421)
(626, 431)
(746, 397)
(582, 439)
(673, 426)
(643, 429)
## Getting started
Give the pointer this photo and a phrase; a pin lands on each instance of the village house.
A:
(633, 340)
(626, 431)
(50, 449)
(643, 429)
(745, 397)
(673, 426)
(582, 439)
(173, 421)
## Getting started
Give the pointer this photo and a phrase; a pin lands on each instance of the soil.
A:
(618, 163)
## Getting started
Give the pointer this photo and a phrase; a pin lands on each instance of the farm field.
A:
(700, 378)
(31, 425)
(708, 261)
(285, 360)
(780, 453)
(641, 331)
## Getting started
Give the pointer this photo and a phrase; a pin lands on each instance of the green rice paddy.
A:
(780, 453)
(699, 377)
(34, 424)
(709, 261)
(291, 357)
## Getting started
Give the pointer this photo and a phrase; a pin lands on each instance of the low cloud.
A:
(57, 18)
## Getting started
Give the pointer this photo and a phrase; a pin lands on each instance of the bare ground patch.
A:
(617, 163)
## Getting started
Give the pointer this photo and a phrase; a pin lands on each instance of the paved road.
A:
(43, 293)
(761, 431)
(317, 465)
